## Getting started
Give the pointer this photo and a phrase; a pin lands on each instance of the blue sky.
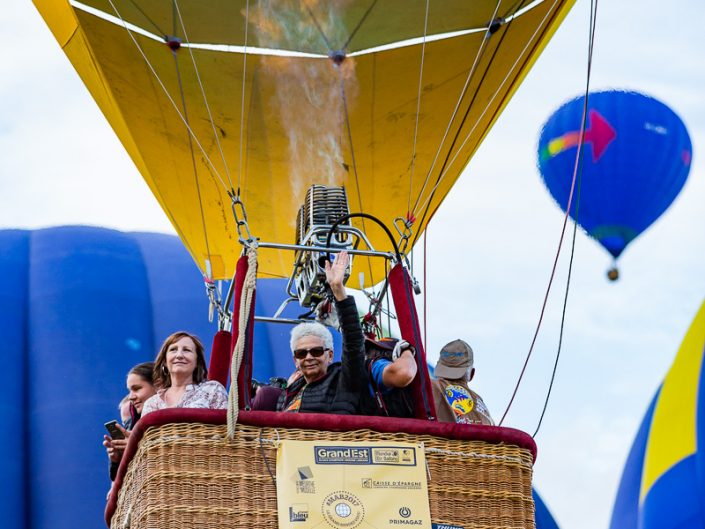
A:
(490, 247)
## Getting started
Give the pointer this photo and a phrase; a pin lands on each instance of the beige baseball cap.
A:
(456, 358)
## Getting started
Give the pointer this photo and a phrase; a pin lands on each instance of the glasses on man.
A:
(300, 354)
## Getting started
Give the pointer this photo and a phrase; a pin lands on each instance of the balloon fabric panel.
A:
(14, 258)
(625, 513)
(280, 122)
(662, 484)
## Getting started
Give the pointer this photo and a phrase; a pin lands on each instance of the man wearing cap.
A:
(455, 401)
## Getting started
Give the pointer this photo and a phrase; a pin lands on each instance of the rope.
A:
(359, 25)
(471, 74)
(418, 110)
(242, 98)
(576, 167)
(207, 159)
(451, 160)
(248, 290)
(344, 100)
(208, 273)
(593, 19)
(203, 93)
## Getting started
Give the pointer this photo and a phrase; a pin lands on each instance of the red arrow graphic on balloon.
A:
(599, 134)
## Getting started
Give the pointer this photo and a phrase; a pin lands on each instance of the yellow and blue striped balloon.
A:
(663, 483)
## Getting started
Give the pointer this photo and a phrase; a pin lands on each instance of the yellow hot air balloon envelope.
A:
(211, 97)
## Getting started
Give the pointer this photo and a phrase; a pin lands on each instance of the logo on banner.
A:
(405, 514)
(298, 512)
(343, 510)
(369, 483)
(342, 455)
(304, 481)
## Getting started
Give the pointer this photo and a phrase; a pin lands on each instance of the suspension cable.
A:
(319, 28)
(471, 73)
(446, 169)
(171, 99)
(352, 159)
(593, 20)
(193, 162)
(359, 24)
(147, 17)
(577, 165)
(418, 109)
(242, 99)
(203, 93)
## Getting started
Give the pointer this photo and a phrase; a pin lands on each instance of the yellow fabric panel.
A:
(380, 91)
(59, 16)
(222, 21)
(673, 428)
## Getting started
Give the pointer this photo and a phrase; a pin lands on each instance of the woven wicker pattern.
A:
(188, 476)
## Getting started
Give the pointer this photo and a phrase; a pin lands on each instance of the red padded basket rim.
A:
(316, 421)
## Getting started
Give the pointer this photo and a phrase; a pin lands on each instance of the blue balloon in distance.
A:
(636, 158)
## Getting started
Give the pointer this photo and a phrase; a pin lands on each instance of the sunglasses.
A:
(300, 354)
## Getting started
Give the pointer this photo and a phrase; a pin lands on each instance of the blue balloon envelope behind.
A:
(663, 482)
(79, 307)
(635, 160)
(542, 516)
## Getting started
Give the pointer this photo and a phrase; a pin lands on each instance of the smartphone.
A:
(113, 430)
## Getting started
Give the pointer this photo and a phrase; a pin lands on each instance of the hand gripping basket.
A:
(180, 471)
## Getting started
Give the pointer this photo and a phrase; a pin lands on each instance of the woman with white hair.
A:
(326, 386)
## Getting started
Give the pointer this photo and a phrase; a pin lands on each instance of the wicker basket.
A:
(188, 476)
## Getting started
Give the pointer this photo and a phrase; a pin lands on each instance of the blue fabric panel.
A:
(673, 502)
(14, 255)
(89, 323)
(700, 440)
(625, 513)
(544, 518)
(637, 175)
(176, 289)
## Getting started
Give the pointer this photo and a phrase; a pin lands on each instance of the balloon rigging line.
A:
(171, 99)
(471, 72)
(446, 165)
(172, 218)
(159, 30)
(320, 29)
(203, 93)
(418, 110)
(352, 158)
(577, 165)
(242, 99)
(254, 50)
(487, 106)
(209, 274)
(593, 20)
(359, 24)
(425, 292)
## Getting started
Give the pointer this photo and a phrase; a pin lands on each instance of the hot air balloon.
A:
(260, 100)
(662, 481)
(255, 123)
(635, 160)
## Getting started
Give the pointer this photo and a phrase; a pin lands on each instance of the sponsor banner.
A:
(332, 485)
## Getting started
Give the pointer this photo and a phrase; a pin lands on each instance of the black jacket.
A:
(342, 387)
